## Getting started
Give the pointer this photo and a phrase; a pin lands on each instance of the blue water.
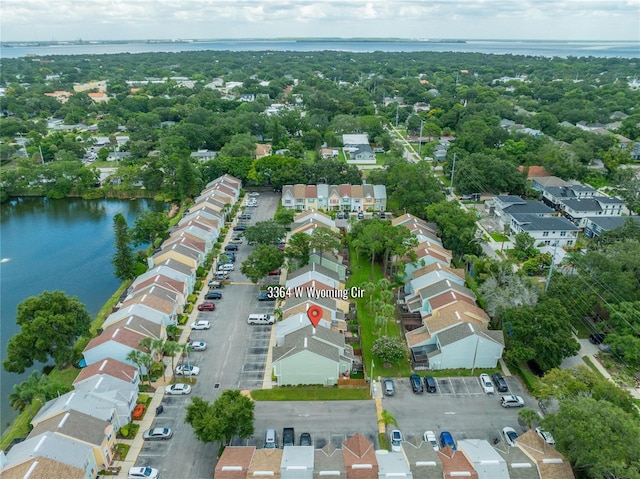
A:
(515, 47)
(48, 245)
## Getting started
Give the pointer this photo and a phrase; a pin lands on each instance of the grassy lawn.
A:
(310, 393)
(381, 159)
(21, 426)
(361, 273)
(499, 237)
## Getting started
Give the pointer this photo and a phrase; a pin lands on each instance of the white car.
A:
(255, 193)
(430, 437)
(197, 345)
(202, 324)
(178, 389)
(396, 440)
(143, 473)
(510, 435)
(546, 435)
(487, 385)
(190, 370)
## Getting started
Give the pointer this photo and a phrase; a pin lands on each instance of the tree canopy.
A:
(49, 326)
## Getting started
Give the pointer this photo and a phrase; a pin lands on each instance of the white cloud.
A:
(131, 19)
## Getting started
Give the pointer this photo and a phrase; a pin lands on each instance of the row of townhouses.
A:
(357, 459)
(344, 197)
(74, 435)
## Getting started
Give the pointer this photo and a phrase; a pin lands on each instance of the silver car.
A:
(157, 434)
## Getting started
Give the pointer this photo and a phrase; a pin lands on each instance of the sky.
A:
(69, 20)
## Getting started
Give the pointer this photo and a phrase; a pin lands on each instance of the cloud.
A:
(128, 19)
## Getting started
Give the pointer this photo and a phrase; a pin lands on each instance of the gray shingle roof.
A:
(608, 223)
(314, 267)
(454, 334)
(323, 342)
(74, 424)
(532, 207)
(544, 223)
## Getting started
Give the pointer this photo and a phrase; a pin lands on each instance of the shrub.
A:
(389, 349)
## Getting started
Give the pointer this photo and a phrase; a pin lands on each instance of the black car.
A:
(244, 216)
(213, 295)
(288, 437)
(305, 439)
(231, 247)
(416, 384)
(239, 228)
(360, 215)
(499, 382)
(597, 338)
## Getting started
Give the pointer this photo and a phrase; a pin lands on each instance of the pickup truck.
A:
(288, 437)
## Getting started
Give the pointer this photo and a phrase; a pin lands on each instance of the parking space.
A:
(255, 357)
(460, 406)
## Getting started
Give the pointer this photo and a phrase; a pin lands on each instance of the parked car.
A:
(235, 241)
(254, 193)
(178, 389)
(389, 388)
(221, 275)
(510, 435)
(500, 383)
(215, 284)
(187, 370)
(207, 306)
(430, 384)
(264, 296)
(275, 272)
(201, 324)
(197, 345)
(213, 295)
(511, 401)
(360, 215)
(145, 472)
(446, 439)
(271, 439)
(231, 247)
(238, 228)
(487, 385)
(396, 440)
(305, 439)
(340, 215)
(288, 437)
(244, 216)
(416, 384)
(597, 338)
(157, 434)
(430, 437)
(546, 435)
(383, 215)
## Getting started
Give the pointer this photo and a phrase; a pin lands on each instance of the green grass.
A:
(361, 273)
(310, 393)
(499, 237)
(381, 159)
(21, 426)
(588, 362)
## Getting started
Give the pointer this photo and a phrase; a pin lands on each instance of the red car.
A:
(275, 272)
(206, 306)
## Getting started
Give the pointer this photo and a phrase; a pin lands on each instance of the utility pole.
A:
(420, 141)
(453, 169)
(397, 111)
(553, 260)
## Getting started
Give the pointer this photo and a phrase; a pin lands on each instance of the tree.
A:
(37, 387)
(456, 227)
(387, 418)
(231, 415)
(390, 350)
(149, 226)
(284, 216)
(598, 438)
(123, 258)
(506, 289)
(298, 249)
(540, 332)
(524, 246)
(171, 348)
(264, 258)
(324, 240)
(264, 232)
(49, 324)
(528, 416)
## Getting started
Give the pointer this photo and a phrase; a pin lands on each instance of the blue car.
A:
(446, 439)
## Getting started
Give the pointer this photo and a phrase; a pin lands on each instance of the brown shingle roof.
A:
(459, 272)
(120, 335)
(311, 191)
(299, 191)
(449, 297)
(110, 367)
(43, 468)
(454, 461)
(267, 460)
(152, 301)
(345, 190)
(535, 447)
(358, 451)
(234, 462)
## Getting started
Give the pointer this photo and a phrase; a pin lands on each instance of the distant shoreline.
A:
(36, 43)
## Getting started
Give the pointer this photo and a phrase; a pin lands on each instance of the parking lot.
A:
(459, 406)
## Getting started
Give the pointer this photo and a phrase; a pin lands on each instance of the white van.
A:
(261, 319)
(226, 267)
(271, 439)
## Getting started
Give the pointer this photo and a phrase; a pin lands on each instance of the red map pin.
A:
(315, 315)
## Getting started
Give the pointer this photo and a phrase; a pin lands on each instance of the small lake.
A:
(48, 245)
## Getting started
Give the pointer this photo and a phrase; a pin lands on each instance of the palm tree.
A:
(387, 418)
(528, 416)
(157, 348)
(136, 357)
(171, 348)
(383, 284)
(369, 287)
(33, 389)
